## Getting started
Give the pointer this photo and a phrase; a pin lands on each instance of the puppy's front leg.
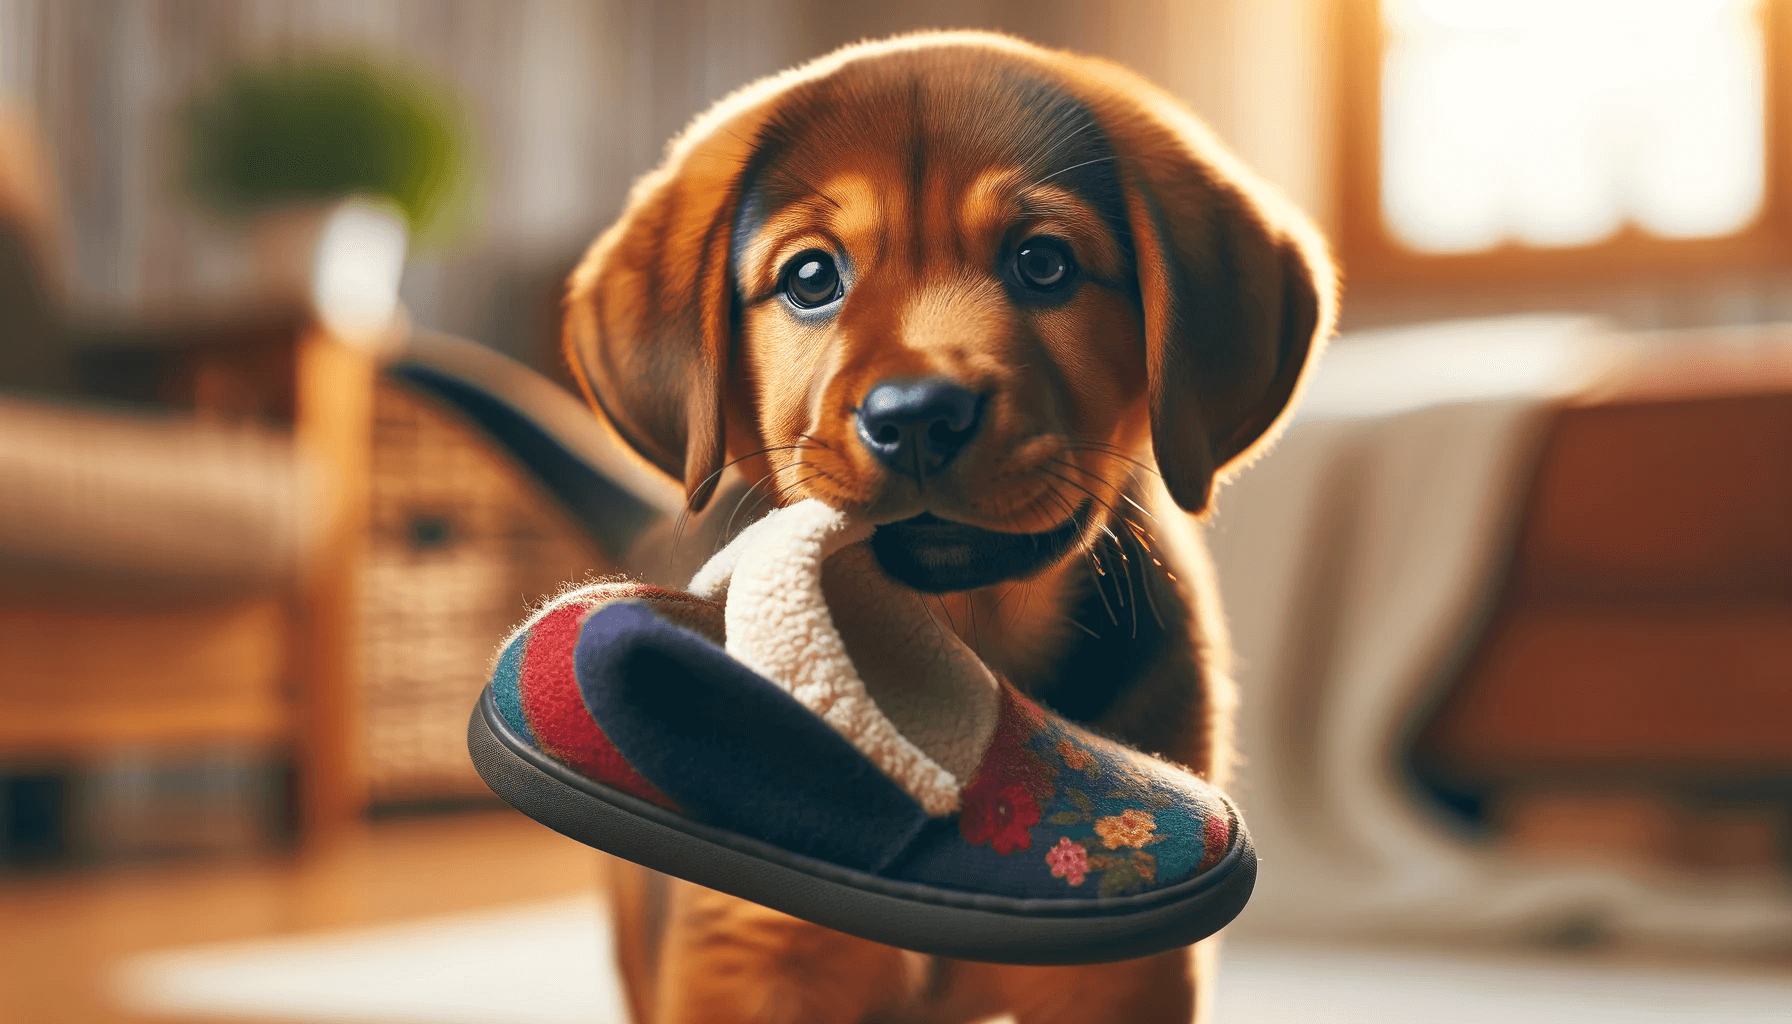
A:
(1156, 990)
(725, 960)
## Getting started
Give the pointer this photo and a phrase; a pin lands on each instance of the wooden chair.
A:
(1632, 692)
(188, 577)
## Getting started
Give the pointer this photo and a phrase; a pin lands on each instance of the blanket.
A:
(1357, 562)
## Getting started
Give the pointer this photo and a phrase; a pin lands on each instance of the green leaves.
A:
(1124, 873)
(1084, 813)
(322, 129)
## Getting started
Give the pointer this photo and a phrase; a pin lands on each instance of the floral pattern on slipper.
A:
(1094, 818)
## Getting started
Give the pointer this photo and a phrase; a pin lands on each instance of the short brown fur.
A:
(1202, 303)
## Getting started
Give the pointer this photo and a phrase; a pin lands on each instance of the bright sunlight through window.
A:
(1553, 123)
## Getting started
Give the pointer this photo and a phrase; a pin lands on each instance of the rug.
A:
(542, 963)
(548, 963)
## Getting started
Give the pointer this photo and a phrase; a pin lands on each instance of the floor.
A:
(61, 936)
(491, 919)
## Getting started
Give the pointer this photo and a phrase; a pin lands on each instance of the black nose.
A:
(917, 426)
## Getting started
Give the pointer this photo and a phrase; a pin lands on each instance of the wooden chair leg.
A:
(334, 429)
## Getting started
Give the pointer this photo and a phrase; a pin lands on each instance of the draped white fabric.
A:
(1355, 562)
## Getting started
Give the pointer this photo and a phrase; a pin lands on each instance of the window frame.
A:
(1373, 255)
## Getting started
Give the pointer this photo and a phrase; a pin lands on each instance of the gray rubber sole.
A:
(927, 919)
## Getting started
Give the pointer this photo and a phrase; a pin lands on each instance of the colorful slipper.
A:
(904, 795)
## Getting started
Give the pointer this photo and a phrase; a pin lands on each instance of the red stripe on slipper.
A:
(557, 713)
(1216, 838)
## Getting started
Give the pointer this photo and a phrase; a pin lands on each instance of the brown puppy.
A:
(1020, 309)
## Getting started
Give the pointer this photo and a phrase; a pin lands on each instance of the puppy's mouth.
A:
(938, 556)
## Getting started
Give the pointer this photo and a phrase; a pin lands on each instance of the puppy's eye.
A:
(811, 279)
(1043, 264)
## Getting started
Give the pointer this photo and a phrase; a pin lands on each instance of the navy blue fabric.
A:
(943, 859)
(734, 750)
(610, 515)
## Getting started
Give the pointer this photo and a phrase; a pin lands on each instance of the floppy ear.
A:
(648, 312)
(1239, 295)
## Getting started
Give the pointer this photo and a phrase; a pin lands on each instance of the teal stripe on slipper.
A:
(507, 686)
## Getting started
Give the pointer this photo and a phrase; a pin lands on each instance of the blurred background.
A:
(1512, 599)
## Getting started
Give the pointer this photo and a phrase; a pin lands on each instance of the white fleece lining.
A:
(918, 672)
(779, 625)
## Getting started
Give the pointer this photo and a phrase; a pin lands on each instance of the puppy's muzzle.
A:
(917, 427)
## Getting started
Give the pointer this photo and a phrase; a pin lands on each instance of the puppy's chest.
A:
(1070, 631)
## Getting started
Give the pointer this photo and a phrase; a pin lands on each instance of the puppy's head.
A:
(952, 284)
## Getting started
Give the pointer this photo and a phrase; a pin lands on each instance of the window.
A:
(1558, 136)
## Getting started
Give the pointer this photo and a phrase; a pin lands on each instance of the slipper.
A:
(901, 793)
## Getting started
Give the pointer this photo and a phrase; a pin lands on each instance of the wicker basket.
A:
(463, 544)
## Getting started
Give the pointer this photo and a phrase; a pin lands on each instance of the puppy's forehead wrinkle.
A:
(917, 172)
(949, 314)
(926, 136)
